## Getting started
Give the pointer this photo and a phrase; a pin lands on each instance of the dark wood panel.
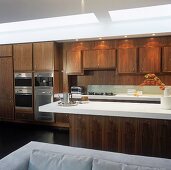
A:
(147, 137)
(90, 59)
(127, 60)
(6, 88)
(129, 132)
(96, 132)
(57, 82)
(5, 50)
(163, 141)
(74, 62)
(150, 59)
(79, 131)
(6, 78)
(22, 54)
(166, 59)
(106, 58)
(43, 56)
(111, 134)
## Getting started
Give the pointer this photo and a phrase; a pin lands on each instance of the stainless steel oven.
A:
(43, 80)
(23, 98)
(23, 79)
(43, 95)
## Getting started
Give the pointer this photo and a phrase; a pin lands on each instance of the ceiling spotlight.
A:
(153, 34)
(125, 36)
(100, 38)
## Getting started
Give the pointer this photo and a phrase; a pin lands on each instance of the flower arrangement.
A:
(153, 80)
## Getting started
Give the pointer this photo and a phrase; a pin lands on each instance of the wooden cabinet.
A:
(127, 60)
(146, 137)
(5, 50)
(99, 59)
(111, 134)
(6, 88)
(166, 59)
(150, 59)
(147, 134)
(62, 120)
(43, 56)
(79, 131)
(22, 54)
(163, 139)
(96, 132)
(129, 132)
(74, 64)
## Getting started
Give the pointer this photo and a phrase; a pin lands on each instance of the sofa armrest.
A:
(17, 160)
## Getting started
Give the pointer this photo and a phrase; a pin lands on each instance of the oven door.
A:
(23, 98)
(43, 79)
(23, 79)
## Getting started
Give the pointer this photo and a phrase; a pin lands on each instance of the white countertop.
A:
(144, 97)
(139, 110)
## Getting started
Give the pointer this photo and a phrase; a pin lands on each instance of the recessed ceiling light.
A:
(141, 13)
(100, 38)
(125, 36)
(153, 34)
(54, 22)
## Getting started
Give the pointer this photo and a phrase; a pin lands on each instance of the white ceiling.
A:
(19, 10)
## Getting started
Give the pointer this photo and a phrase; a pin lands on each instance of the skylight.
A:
(70, 20)
(151, 12)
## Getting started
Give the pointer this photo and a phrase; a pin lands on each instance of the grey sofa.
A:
(43, 156)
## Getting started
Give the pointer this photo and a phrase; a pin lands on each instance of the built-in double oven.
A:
(23, 91)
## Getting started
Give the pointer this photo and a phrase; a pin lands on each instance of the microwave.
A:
(76, 90)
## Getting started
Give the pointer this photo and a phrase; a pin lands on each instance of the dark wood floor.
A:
(13, 136)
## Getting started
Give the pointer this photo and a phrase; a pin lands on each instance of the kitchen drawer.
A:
(24, 116)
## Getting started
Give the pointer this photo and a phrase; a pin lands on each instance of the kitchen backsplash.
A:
(123, 89)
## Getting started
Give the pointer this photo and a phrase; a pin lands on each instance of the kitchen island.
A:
(134, 128)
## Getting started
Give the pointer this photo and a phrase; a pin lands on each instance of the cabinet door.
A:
(5, 50)
(166, 59)
(96, 132)
(111, 134)
(147, 137)
(128, 134)
(22, 54)
(62, 120)
(106, 59)
(90, 59)
(163, 140)
(43, 56)
(74, 62)
(150, 59)
(79, 130)
(127, 60)
(6, 88)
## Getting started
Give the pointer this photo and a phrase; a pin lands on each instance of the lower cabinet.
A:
(79, 131)
(146, 137)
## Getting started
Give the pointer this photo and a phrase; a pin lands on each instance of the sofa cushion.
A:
(45, 160)
(100, 164)
(41, 160)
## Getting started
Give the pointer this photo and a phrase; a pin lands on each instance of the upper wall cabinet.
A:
(166, 59)
(127, 60)
(22, 54)
(99, 59)
(43, 56)
(74, 63)
(5, 50)
(150, 59)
